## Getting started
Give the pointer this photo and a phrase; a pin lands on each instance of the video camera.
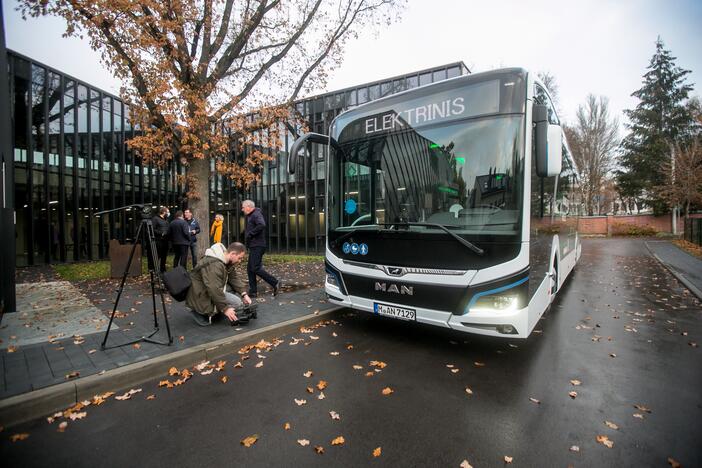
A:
(146, 211)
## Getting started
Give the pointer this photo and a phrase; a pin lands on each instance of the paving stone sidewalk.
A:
(40, 348)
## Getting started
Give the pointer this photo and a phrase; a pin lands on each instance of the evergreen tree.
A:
(660, 119)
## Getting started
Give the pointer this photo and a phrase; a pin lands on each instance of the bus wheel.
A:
(554, 277)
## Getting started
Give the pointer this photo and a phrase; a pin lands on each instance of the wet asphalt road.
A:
(622, 326)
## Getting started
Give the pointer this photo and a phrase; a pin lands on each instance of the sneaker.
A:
(200, 319)
(276, 288)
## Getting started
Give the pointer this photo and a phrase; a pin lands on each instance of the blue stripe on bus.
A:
(493, 291)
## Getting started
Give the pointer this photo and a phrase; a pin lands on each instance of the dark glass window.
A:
(424, 78)
(439, 75)
(454, 72)
(412, 81)
(373, 92)
(362, 95)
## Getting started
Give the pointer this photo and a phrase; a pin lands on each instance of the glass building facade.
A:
(71, 161)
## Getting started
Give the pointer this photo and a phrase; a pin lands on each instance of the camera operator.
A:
(160, 224)
(214, 272)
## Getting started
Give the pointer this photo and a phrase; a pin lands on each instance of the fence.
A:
(693, 230)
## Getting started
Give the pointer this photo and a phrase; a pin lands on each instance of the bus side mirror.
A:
(549, 143)
(311, 138)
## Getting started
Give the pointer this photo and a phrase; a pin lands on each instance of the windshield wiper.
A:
(346, 235)
(468, 244)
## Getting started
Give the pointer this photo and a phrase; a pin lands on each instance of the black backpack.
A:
(177, 282)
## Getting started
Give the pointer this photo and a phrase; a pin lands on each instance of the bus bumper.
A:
(514, 324)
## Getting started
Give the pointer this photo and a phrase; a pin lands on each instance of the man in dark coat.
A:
(160, 224)
(255, 239)
(194, 231)
(215, 272)
(179, 234)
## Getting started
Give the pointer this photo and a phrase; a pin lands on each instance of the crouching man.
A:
(208, 293)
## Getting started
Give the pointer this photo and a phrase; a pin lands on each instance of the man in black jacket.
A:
(160, 224)
(255, 240)
(194, 227)
(179, 234)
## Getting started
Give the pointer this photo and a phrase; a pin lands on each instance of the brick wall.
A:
(607, 225)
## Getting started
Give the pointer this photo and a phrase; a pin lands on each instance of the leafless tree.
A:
(683, 175)
(549, 80)
(593, 139)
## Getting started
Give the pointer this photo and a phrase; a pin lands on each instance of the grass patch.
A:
(82, 271)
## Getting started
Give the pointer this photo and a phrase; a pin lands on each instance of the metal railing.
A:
(693, 230)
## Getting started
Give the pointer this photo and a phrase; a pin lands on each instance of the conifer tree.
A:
(659, 120)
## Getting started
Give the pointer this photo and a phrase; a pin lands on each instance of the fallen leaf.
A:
(508, 459)
(479, 364)
(259, 364)
(334, 415)
(357, 367)
(534, 400)
(377, 451)
(92, 351)
(611, 425)
(173, 371)
(465, 464)
(322, 385)
(18, 437)
(303, 442)
(674, 463)
(308, 374)
(224, 379)
(249, 441)
(454, 371)
(286, 426)
(638, 415)
(604, 440)
(12, 349)
(573, 394)
(694, 345)
(310, 390)
(151, 397)
(370, 374)
(349, 347)
(575, 382)
(62, 427)
(334, 353)
(72, 375)
(300, 402)
(612, 355)
(136, 346)
(387, 391)
(642, 408)
(75, 416)
(164, 383)
(338, 441)
(181, 338)
(319, 449)
(238, 365)
(574, 448)
(378, 364)
(321, 396)
(469, 391)
(207, 372)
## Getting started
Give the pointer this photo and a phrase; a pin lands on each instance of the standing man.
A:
(255, 239)
(194, 231)
(160, 224)
(179, 233)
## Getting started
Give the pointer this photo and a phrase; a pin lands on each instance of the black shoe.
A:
(276, 288)
(252, 295)
(200, 319)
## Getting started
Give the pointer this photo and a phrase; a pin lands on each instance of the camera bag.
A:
(177, 282)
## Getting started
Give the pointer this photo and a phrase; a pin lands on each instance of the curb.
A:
(39, 403)
(679, 276)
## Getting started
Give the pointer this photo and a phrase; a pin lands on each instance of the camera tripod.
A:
(145, 236)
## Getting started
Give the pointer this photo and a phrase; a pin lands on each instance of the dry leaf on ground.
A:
(308, 374)
(604, 440)
(310, 390)
(18, 437)
(321, 396)
(334, 415)
(286, 426)
(303, 442)
(642, 408)
(534, 400)
(62, 427)
(259, 364)
(338, 441)
(387, 391)
(173, 371)
(224, 379)
(73, 375)
(611, 425)
(469, 391)
(574, 448)
(249, 441)
(357, 367)
(322, 385)
(151, 397)
(334, 353)
(479, 364)
(575, 382)
(377, 451)
(572, 394)
(319, 449)
(378, 364)
(638, 415)
(508, 459)
(465, 464)
(300, 402)
(674, 463)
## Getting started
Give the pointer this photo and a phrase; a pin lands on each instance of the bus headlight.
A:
(496, 303)
(331, 279)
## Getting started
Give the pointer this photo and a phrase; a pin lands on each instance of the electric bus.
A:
(454, 204)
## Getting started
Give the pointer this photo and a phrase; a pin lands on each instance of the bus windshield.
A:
(466, 175)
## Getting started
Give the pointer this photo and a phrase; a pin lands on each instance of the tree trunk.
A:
(199, 169)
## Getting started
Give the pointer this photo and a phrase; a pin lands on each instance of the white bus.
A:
(454, 204)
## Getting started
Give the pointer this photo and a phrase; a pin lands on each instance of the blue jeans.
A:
(193, 249)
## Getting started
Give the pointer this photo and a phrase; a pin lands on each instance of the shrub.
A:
(626, 229)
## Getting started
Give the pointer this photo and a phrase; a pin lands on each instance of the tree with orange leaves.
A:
(205, 77)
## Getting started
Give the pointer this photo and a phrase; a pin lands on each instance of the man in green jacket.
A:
(208, 293)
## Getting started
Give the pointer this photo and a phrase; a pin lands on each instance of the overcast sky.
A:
(593, 46)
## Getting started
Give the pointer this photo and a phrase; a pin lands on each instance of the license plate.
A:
(395, 312)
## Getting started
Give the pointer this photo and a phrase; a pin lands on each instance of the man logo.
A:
(403, 290)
